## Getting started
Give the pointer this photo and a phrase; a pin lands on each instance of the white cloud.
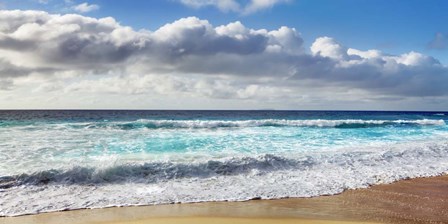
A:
(242, 7)
(364, 54)
(223, 5)
(190, 59)
(328, 47)
(258, 5)
(85, 7)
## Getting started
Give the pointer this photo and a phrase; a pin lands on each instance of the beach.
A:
(420, 200)
(223, 111)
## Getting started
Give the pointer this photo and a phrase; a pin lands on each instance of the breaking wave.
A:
(154, 172)
(196, 124)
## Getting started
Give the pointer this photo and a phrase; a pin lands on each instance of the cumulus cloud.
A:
(192, 58)
(85, 7)
(243, 7)
(328, 47)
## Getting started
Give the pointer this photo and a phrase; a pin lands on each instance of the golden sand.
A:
(422, 200)
(225, 220)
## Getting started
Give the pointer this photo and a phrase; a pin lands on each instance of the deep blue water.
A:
(129, 115)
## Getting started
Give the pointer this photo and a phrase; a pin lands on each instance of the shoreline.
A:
(419, 200)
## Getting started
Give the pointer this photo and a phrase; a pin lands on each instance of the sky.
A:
(224, 54)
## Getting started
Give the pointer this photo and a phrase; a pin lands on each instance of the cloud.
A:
(85, 7)
(328, 47)
(223, 5)
(259, 5)
(43, 1)
(242, 7)
(191, 58)
(439, 42)
(8, 70)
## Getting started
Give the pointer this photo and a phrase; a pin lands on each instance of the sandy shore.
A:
(422, 200)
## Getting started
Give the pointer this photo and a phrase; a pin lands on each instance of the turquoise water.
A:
(87, 159)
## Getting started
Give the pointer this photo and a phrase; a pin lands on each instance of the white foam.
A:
(235, 178)
(145, 123)
(280, 122)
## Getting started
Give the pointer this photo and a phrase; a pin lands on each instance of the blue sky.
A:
(224, 54)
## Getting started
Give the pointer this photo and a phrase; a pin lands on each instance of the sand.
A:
(421, 200)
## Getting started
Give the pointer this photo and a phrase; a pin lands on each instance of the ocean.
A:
(64, 160)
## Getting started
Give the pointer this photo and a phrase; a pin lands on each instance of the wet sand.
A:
(421, 200)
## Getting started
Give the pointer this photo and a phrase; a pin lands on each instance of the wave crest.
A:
(198, 124)
(154, 172)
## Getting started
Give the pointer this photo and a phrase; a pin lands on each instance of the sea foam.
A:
(167, 124)
(234, 178)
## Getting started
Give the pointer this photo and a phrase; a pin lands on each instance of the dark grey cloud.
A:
(87, 52)
(9, 43)
(8, 70)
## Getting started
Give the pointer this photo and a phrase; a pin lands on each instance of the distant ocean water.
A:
(61, 160)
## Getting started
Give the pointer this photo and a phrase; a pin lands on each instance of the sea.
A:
(55, 160)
